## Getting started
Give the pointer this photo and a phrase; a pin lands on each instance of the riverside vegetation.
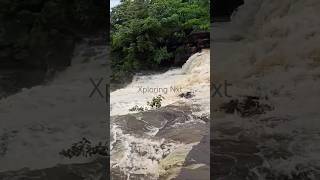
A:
(147, 35)
(155, 103)
(154, 134)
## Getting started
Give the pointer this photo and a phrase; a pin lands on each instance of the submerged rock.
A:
(187, 95)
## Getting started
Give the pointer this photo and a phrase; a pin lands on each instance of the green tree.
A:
(144, 33)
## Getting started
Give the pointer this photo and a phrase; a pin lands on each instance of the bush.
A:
(155, 102)
(86, 149)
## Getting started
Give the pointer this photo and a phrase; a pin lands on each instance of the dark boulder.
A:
(186, 95)
(199, 40)
(195, 42)
(182, 54)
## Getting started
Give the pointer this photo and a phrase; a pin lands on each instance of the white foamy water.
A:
(277, 54)
(194, 76)
(37, 123)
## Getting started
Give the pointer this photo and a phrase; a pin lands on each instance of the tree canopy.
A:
(143, 31)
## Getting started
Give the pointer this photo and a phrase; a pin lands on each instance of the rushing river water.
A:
(265, 51)
(126, 146)
(42, 120)
(194, 76)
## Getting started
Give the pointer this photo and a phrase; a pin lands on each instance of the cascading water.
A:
(275, 54)
(43, 120)
(37, 123)
(134, 154)
(193, 76)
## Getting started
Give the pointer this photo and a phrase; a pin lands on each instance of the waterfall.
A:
(38, 122)
(134, 154)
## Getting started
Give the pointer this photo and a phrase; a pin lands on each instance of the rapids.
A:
(275, 54)
(37, 123)
(126, 147)
(194, 76)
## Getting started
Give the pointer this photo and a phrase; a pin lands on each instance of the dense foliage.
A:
(146, 33)
(41, 33)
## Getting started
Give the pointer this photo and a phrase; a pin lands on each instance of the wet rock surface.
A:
(94, 170)
(177, 125)
(187, 95)
(172, 121)
(197, 163)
